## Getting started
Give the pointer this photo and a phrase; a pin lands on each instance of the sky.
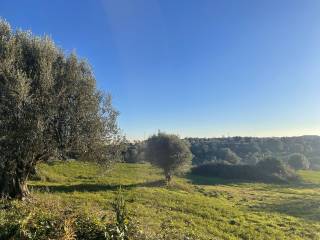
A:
(197, 68)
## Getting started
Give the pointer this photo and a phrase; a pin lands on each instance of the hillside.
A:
(202, 207)
(250, 150)
(243, 150)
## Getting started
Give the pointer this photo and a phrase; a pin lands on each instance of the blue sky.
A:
(196, 68)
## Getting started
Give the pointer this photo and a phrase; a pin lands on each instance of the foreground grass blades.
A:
(197, 207)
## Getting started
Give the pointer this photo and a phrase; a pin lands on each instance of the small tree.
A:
(168, 152)
(298, 161)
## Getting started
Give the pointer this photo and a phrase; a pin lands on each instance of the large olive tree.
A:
(168, 152)
(49, 108)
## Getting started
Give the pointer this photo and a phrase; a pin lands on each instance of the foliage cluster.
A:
(134, 152)
(267, 170)
(168, 152)
(250, 150)
(298, 161)
(49, 108)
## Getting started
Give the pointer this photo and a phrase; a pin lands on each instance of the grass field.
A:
(204, 207)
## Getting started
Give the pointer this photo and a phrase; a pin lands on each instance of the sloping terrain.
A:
(207, 208)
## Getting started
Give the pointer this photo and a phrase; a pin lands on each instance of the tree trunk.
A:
(168, 178)
(13, 187)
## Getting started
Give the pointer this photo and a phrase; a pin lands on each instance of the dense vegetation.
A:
(77, 198)
(250, 150)
(270, 170)
(213, 156)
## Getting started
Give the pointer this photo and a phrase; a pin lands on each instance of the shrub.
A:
(133, 152)
(89, 227)
(298, 161)
(261, 172)
(119, 229)
(271, 165)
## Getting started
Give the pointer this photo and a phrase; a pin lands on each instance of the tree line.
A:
(251, 150)
(299, 152)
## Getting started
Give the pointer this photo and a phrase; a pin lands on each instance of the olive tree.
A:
(168, 152)
(49, 108)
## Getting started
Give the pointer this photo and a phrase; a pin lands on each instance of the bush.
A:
(35, 224)
(261, 172)
(298, 161)
(88, 227)
(271, 165)
(134, 152)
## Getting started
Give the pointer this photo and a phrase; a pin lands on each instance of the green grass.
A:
(207, 208)
(310, 176)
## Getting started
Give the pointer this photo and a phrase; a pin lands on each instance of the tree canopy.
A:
(272, 165)
(298, 161)
(168, 152)
(251, 150)
(226, 154)
(49, 108)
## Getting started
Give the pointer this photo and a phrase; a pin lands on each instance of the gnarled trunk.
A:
(13, 187)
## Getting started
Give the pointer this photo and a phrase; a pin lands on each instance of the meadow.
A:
(199, 207)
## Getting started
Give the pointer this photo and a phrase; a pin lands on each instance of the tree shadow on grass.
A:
(269, 185)
(308, 209)
(94, 187)
(201, 180)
